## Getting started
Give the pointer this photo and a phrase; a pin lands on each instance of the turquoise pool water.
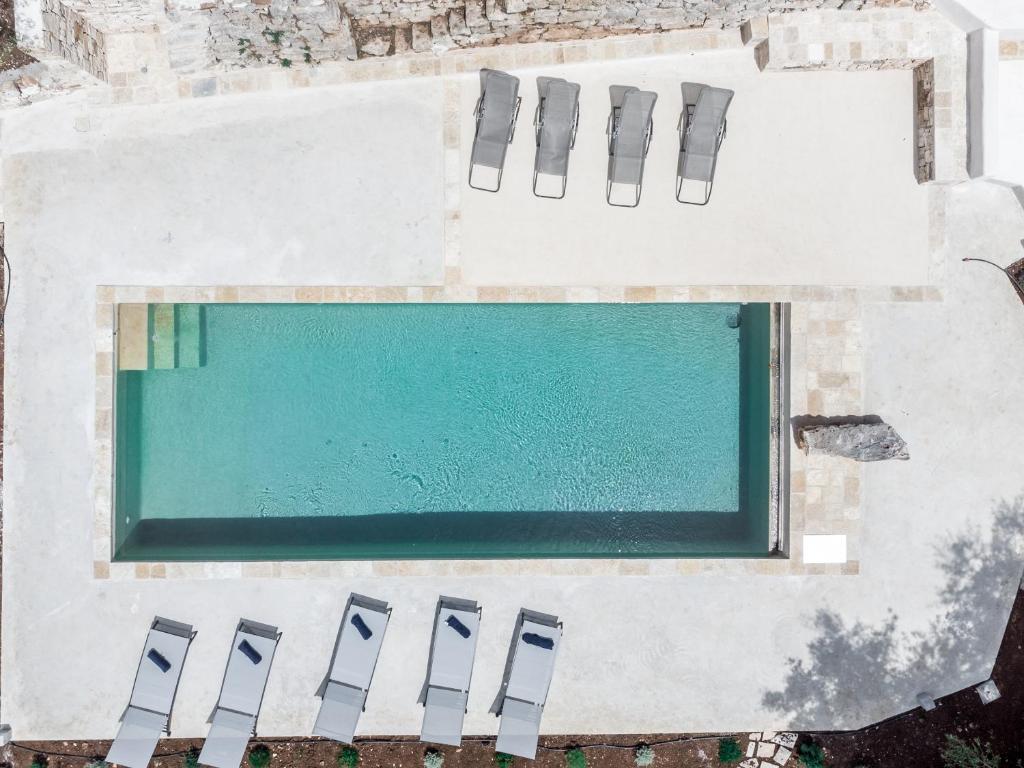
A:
(347, 431)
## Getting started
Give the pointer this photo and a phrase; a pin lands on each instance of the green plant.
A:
(433, 759)
(192, 758)
(972, 753)
(348, 757)
(40, 760)
(286, 63)
(644, 755)
(812, 755)
(575, 758)
(259, 756)
(273, 35)
(503, 759)
(729, 751)
(97, 762)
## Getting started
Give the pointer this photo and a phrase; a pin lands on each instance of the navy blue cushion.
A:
(358, 623)
(539, 640)
(251, 653)
(453, 622)
(157, 658)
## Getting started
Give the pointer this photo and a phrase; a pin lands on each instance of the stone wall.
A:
(105, 37)
(247, 32)
(930, 46)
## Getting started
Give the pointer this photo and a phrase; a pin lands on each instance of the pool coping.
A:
(789, 525)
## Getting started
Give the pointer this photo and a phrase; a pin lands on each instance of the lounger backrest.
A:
(561, 99)
(245, 679)
(454, 646)
(707, 121)
(163, 657)
(355, 656)
(498, 103)
(634, 119)
(533, 665)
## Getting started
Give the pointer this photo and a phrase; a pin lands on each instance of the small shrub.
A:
(644, 755)
(191, 758)
(286, 63)
(575, 758)
(503, 759)
(348, 757)
(812, 755)
(973, 753)
(729, 751)
(40, 761)
(259, 756)
(433, 759)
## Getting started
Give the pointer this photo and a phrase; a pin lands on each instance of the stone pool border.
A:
(821, 352)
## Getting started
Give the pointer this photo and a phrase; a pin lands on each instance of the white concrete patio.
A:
(806, 163)
(346, 186)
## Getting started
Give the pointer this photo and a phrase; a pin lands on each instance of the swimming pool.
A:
(396, 431)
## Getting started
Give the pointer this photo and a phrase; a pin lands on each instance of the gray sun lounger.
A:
(445, 691)
(702, 128)
(555, 123)
(496, 112)
(148, 715)
(233, 721)
(630, 128)
(343, 691)
(524, 688)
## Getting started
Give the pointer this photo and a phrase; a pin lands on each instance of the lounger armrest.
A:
(515, 117)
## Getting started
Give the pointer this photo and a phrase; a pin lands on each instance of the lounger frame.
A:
(535, 617)
(354, 601)
(612, 129)
(478, 116)
(538, 125)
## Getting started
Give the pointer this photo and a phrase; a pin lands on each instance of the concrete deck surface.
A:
(806, 162)
(343, 185)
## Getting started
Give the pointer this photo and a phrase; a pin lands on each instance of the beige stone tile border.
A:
(825, 364)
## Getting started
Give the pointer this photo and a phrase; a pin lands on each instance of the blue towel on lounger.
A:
(358, 623)
(539, 640)
(158, 658)
(251, 653)
(453, 622)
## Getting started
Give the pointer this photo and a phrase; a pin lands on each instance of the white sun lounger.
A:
(630, 128)
(524, 689)
(233, 721)
(343, 691)
(702, 128)
(148, 714)
(555, 123)
(496, 112)
(445, 692)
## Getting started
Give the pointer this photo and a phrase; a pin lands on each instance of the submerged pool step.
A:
(160, 337)
(191, 351)
(132, 337)
(163, 337)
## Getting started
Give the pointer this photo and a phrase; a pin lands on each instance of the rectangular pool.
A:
(399, 431)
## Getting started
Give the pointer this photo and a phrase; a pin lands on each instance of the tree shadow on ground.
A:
(850, 664)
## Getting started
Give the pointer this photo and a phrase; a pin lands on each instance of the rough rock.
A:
(861, 442)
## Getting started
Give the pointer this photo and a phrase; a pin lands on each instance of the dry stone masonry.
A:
(188, 36)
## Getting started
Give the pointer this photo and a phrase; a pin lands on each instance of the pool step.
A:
(160, 337)
(191, 350)
(163, 337)
(133, 337)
